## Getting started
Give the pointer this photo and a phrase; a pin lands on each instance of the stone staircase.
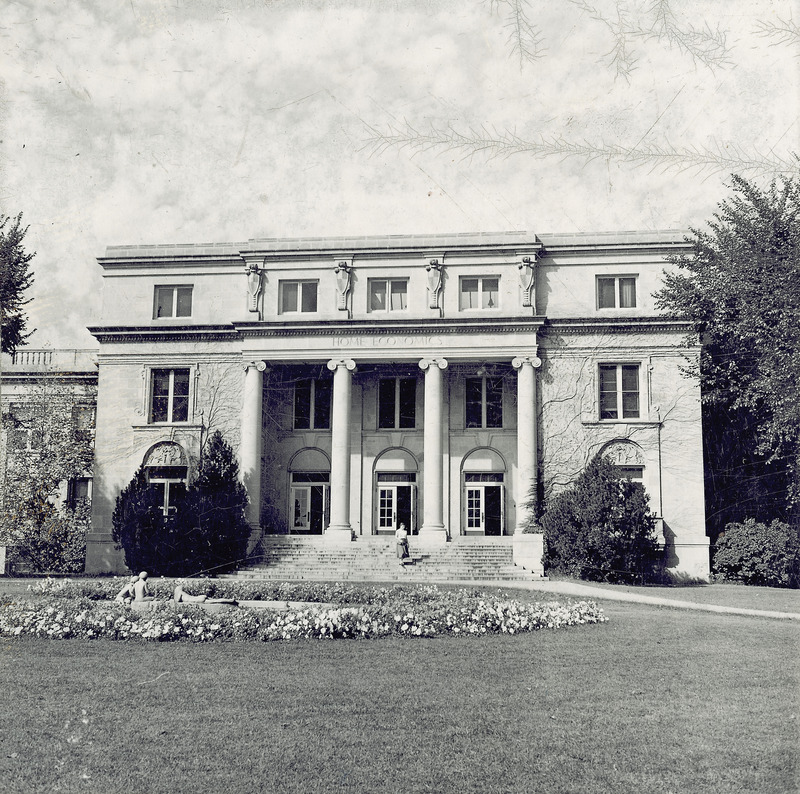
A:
(286, 557)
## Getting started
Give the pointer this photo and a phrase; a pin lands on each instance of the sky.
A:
(187, 121)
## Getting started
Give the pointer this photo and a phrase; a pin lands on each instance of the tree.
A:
(206, 532)
(48, 446)
(15, 278)
(601, 528)
(740, 286)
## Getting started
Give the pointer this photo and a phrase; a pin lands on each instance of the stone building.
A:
(40, 389)
(445, 382)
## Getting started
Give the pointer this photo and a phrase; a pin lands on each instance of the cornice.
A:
(615, 325)
(173, 333)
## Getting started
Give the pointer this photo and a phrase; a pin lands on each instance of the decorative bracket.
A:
(434, 268)
(527, 272)
(343, 272)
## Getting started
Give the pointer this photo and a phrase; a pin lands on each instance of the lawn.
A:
(656, 700)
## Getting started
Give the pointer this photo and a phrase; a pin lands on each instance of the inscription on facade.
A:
(389, 340)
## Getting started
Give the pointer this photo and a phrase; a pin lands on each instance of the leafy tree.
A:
(207, 530)
(15, 278)
(740, 286)
(49, 443)
(601, 528)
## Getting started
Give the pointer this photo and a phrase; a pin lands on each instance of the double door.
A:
(485, 509)
(396, 505)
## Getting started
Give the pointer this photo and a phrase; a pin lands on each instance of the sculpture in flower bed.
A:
(411, 612)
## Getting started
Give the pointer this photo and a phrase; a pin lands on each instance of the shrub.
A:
(602, 529)
(207, 531)
(759, 554)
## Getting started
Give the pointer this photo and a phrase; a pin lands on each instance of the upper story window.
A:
(297, 296)
(397, 399)
(312, 404)
(619, 391)
(616, 292)
(480, 293)
(169, 395)
(172, 301)
(484, 402)
(388, 295)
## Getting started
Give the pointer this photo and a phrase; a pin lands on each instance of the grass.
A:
(657, 700)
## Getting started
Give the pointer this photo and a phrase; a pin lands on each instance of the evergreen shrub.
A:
(602, 529)
(207, 530)
(759, 554)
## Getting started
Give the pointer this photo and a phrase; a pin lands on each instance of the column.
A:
(340, 529)
(527, 441)
(250, 445)
(432, 525)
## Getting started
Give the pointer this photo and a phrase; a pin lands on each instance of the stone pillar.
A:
(527, 441)
(340, 529)
(432, 525)
(250, 444)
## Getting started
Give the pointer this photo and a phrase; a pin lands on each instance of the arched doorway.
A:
(483, 493)
(165, 465)
(395, 489)
(309, 491)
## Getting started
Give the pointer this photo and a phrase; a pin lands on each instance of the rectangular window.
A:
(484, 402)
(172, 301)
(298, 296)
(388, 295)
(619, 391)
(169, 483)
(78, 490)
(169, 395)
(312, 404)
(616, 292)
(480, 293)
(397, 403)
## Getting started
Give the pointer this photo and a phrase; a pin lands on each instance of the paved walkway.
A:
(594, 593)
(15, 586)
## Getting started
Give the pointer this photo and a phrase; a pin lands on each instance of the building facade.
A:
(47, 400)
(449, 383)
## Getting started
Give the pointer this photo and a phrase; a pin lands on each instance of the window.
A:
(172, 302)
(78, 489)
(619, 391)
(479, 293)
(169, 483)
(312, 404)
(388, 295)
(169, 396)
(298, 296)
(484, 402)
(397, 399)
(632, 473)
(618, 292)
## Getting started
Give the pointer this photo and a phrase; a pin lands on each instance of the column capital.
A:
(261, 366)
(428, 362)
(335, 363)
(520, 361)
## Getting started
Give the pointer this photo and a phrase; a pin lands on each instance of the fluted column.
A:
(432, 524)
(527, 440)
(339, 527)
(250, 445)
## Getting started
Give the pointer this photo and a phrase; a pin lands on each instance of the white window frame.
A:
(481, 307)
(620, 417)
(617, 290)
(300, 284)
(170, 396)
(174, 310)
(387, 283)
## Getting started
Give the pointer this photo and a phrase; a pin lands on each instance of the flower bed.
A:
(422, 611)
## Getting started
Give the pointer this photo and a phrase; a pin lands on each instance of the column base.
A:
(432, 533)
(339, 534)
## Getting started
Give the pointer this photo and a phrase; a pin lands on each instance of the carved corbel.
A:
(527, 279)
(434, 268)
(343, 271)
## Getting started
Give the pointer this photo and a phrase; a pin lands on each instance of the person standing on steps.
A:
(401, 537)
